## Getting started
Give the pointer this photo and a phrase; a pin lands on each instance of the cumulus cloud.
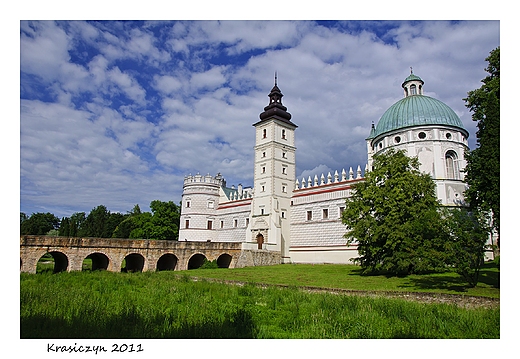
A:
(116, 113)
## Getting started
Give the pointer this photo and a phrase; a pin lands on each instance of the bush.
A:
(209, 264)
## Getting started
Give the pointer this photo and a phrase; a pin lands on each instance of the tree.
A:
(394, 218)
(162, 223)
(128, 224)
(466, 244)
(165, 220)
(101, 223)
(73, 226)
(483, 163)
(38, 223)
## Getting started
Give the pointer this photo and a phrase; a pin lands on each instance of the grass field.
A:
(349, 277)
(172, 305)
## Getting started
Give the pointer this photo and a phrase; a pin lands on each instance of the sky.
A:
(117, 113)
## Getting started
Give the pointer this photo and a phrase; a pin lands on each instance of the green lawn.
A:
(349, 277)
(107, 305)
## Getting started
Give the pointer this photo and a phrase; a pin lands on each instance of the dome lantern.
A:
(413, 85)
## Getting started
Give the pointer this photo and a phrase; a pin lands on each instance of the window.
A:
(263, 188)
(188, 203)
(283, 214)
(221, 224)
(452, 169)
(448, 136)
(284, 154)
(235, 223)
(211, 204)
(210, 224)
(422, 135)
(283, 135)
(325, 213)
(309, 215)
(262, 211)
(263, 169)
(187, 224)
(341, 209)
(264, 134)
(247, 222)
(397, 139)
(284, 170)
(263, 154)
(284, 189)
(413, 90)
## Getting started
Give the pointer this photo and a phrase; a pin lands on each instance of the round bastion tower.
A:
(200, 199)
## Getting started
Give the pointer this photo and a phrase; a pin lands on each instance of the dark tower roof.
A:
(276, 109)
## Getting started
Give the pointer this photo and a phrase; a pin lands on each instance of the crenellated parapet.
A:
(329, 179)
(198, 178)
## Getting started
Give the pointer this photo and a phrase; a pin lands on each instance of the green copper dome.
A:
(416, 110)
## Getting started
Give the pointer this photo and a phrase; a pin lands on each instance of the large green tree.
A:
(100, 222)
(466, 242)
(162, 223)
(483, 163)
(393, 216)
(38, 223)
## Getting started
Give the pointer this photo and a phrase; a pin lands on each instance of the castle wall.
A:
(317, 233)
(233, 222)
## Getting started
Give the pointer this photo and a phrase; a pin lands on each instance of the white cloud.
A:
(208, 80)
(128, 110)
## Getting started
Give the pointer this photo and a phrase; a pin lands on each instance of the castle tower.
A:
(274, 176)
(200, 198)
(429, 129)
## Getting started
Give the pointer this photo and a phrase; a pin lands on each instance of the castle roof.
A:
(276, 109)
(416, 109)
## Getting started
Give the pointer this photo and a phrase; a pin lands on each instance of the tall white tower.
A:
(274, 176)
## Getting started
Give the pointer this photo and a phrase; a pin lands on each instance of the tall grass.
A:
(165, 305)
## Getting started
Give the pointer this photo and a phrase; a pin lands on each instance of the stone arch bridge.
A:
(136, 255)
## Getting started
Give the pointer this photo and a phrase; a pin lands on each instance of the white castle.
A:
(301, 220)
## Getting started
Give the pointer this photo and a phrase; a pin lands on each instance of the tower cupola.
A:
(412, 85)
(275, 108)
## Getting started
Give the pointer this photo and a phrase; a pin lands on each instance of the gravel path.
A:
(461, 300)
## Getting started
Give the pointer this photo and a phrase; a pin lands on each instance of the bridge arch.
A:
(224, 260)
(61, 262)
(100, 261)
(196, 261)
(167, 261)
(133, 262)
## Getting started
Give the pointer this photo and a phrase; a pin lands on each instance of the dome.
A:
(416, 109)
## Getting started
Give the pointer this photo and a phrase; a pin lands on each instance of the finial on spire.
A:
(276, 78)
(411, 70)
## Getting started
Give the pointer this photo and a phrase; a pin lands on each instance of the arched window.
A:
(413, 90)
(452, 167)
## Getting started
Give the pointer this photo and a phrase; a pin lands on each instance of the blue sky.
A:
(118, 112)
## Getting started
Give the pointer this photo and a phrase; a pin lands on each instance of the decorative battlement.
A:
(198, 178)
(329, 179)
